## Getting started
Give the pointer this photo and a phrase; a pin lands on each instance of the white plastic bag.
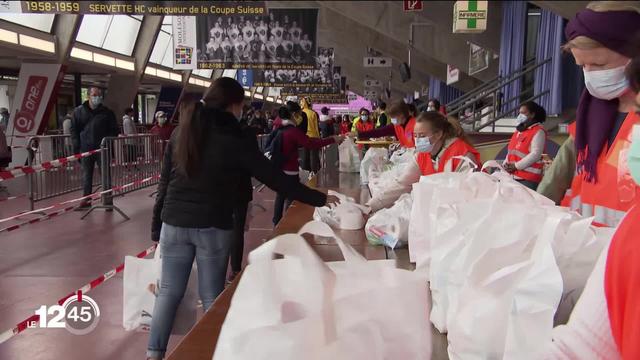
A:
(349, 156)
(346, 215)
(390, 227)
(373, 161)
(510, 286)
(298, 307)
(141, 281)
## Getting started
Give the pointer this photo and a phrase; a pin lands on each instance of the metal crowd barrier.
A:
(262, 142)
(127, 160)
(58, 180)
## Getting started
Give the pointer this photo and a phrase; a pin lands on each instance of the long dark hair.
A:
(187, 150)
(450, 127)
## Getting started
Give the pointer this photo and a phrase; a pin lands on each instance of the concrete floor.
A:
(45, 261)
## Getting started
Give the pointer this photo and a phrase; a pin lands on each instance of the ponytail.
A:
(189, 139)
(191, 136)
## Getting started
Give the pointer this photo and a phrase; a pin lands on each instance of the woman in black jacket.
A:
(206, 167)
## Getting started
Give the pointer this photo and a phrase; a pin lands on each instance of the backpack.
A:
(274, 147)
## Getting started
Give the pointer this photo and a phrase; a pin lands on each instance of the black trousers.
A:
(237, 246)
(88, 164)
(282, 203)
(311, 160)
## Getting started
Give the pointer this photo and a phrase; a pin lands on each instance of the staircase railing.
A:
(485, 105)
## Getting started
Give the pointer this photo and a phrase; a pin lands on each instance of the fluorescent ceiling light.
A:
(175, 77)
(258, 96)
(104, 59)
(270, 98)
(36, 43)
(247, 93)
(123, 64)
(150, 70)
(163, 74)
(206, 83)
(192, 81)
(81, 54)
(8, 36)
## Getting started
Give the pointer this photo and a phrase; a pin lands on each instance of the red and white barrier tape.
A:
(24, 170)
(23, 325)
(67, 209)
(136, 163)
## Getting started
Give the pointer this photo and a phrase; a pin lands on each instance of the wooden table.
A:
(375, 143)
(200, 342)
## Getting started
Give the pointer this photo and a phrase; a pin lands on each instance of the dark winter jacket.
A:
(89, 127)
(228, 160)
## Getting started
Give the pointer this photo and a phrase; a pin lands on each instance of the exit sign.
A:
(410, 5)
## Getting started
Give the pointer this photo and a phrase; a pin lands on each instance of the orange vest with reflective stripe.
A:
(610, 196)
(405, 134)
(519, 147)
(457, 148)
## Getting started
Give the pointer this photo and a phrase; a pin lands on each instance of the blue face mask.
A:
(633, 159)
(394, 121)
(364, 117)
(521, 118)
(423, 145)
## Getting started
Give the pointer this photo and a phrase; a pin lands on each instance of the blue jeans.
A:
(179, 246)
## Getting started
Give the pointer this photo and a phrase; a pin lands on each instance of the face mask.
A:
(162, 120)
(96, 101)
(364, 117)
(521, 118)
(394, 121)
(606, 84)
(431, 108)
(633, 158)
(423, 145)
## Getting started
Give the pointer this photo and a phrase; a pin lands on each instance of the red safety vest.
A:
(457, 148)
(609, 198)
(405, 133)
(519, 147)
(621, 286)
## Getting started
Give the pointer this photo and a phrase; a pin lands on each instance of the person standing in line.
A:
(4, 119)
(91, 123)
(66, 130)
(162, 128)
(345, 125)
(382, 118)
(205, 166)
(524, 156)
(284, 145)
(325, 123)
(129, 129)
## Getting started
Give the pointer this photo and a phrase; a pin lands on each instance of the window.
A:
(229, 73)
(117, 33)
(203, 73)
(161, 53)
(42, 22)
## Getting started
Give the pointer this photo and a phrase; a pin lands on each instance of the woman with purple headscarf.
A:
(600, 38)
(605, 323)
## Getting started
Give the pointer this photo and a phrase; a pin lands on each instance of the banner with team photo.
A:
(281, 39)
(334, 87)
(321, 76)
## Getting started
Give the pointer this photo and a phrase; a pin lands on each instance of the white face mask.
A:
(394, 121)
(423, 145)
(521, 118)
(431, 108)
(606, 84)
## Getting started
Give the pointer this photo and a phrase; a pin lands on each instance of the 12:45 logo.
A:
(79, 314)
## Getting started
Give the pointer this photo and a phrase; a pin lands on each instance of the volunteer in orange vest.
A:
(402, 124)
(439, 146)
(365, 124)
(600, 39)
(524, 156)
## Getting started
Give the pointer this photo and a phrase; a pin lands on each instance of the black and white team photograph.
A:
(284, 38)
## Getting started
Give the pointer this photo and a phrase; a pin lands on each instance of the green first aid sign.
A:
(470, 16)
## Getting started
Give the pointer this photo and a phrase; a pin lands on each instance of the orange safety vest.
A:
(405, 134)
(519, 147)
(457, 148)
(611, 195)
(621, 286)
